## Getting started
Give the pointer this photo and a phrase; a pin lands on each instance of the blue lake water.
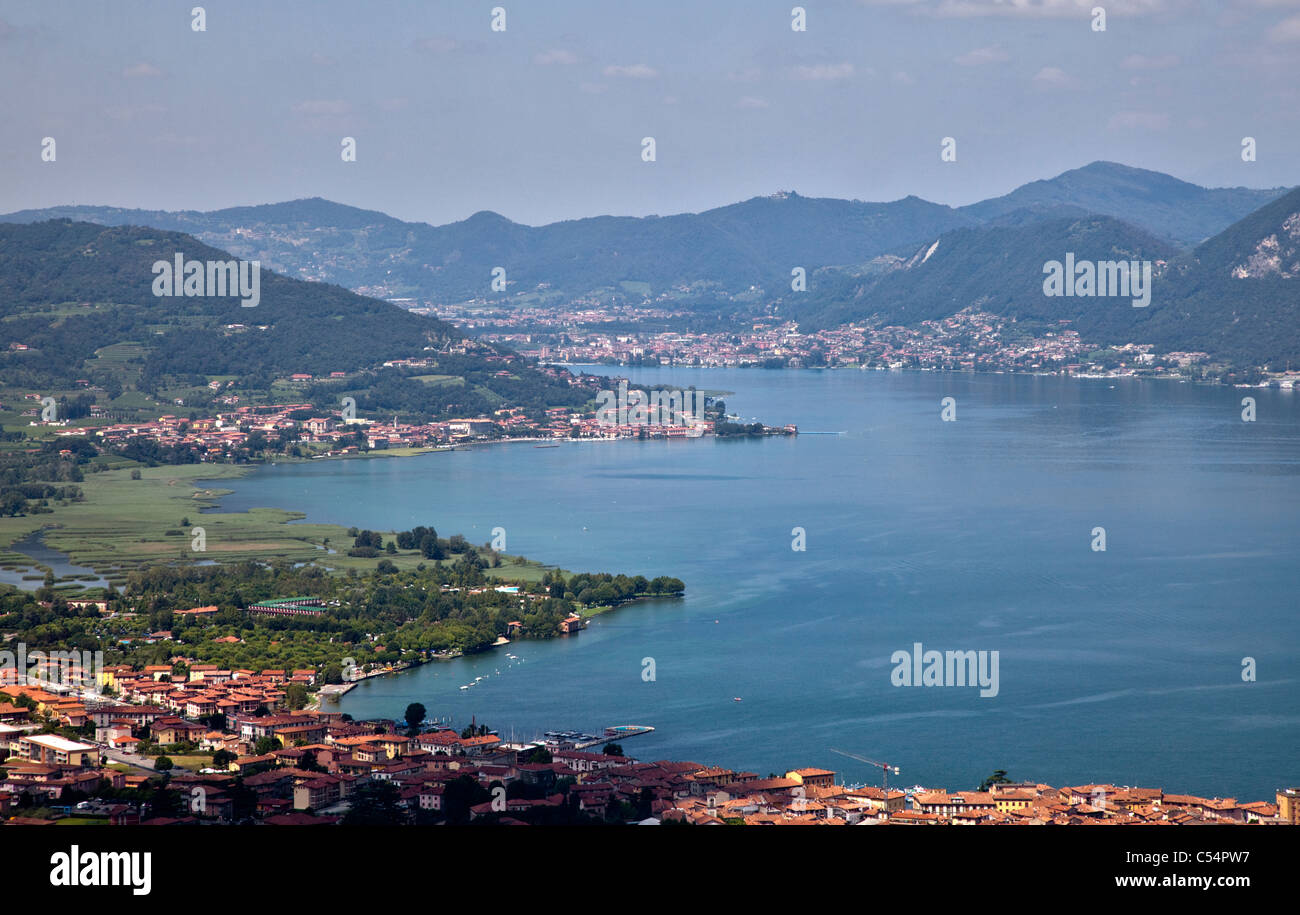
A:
(1119, 666)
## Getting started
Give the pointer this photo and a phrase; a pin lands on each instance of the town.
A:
(111, 754)
(970, 340)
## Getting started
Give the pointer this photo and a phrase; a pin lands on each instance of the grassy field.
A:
(193, 763)
(124, 524)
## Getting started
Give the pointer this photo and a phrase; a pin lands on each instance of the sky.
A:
(544, 121)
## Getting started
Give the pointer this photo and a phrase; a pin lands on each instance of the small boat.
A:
(464, 687)
(736, 699)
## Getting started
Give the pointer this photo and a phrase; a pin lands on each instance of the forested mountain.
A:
(727, 250)
(69, 291)
(1174, 210)
(1236, 296)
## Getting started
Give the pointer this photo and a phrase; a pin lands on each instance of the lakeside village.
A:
(81, 755)
(970, 340)
(308, 430)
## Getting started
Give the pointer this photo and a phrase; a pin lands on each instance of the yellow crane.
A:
(883, 767)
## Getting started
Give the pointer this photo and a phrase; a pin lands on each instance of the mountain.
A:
(862, 259)
(731, 248)
(995, 269)
(1175, 210)
(1236, 296)
(78, 301)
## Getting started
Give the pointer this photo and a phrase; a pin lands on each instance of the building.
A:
(813, 778)
(53, 750)
(1288, 806)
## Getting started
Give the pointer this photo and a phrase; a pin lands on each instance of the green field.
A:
(124, 524)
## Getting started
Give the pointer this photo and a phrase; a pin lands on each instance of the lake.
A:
(1123, 665)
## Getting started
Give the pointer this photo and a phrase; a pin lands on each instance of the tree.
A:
(222, 759)
(295, 695)
(415, 713)
(374, 804)
(612, 749)
(163, 764)
(265, 745)
(999, 777)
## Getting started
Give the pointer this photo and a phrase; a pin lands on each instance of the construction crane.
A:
(883, 767)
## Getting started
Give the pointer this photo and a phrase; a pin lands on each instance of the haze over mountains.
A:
(725, 250)
(1226, 277)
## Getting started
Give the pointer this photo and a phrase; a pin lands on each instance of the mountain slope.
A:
(998, 270)
(69, 291)
(1163, 205)
(1238, 294)
(732, 248)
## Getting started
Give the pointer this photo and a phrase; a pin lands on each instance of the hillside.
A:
(694, 256)
(1237, 296)
(998, 270)
(1174, 210)
(77, 302)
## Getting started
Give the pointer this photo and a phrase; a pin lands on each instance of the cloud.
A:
(1028, 9)
(635, 71)
(829, 72)
(131, 112)
(1142, 62)
(438, 44)
(555, 56)
(903, 78)
(750, 101)
(1286, 30)
(327, 107)
(1053, 78)
(981, 56)
(142, 71)
(1138, 120)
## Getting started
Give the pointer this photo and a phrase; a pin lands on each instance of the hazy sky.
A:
(544, 121)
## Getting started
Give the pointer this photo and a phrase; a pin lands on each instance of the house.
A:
(54, 750)
(176, 730)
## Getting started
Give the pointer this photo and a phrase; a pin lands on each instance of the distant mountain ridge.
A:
(1174, 210)
(1236, 296)
(745, 247)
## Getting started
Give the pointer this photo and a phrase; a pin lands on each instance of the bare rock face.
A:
(1276, 255)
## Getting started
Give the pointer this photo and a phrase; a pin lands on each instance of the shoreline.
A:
(914, 370)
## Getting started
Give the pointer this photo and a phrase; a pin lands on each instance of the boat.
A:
(736, 699)
(464, 687)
